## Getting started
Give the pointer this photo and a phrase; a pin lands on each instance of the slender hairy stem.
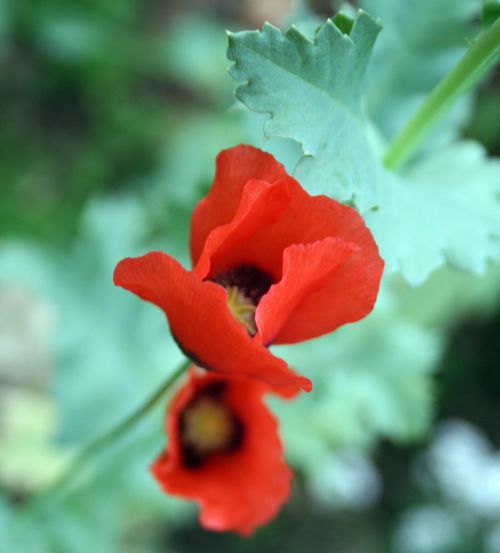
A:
(106, 439)
(481, 56)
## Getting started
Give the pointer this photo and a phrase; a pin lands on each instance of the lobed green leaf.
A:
(312, 91)
(445, 209)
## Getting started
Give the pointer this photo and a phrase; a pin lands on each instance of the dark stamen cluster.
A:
(251, 281)
(194, 454)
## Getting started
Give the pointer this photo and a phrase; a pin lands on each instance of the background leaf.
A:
(444, 209)
(371, 380)
(311, 89)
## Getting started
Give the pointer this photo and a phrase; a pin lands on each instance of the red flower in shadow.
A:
(224, 452)
(272, 265)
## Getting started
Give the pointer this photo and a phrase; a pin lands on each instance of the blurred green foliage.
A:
(112, 114)
(93, 95)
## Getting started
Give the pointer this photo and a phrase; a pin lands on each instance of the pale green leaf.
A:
(103, 334)
(312, 91)
(450, 295)
(370, 380)
(444, 209)
(109, 351)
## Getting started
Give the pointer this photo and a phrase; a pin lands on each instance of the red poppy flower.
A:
(224, 452)
(272, 265)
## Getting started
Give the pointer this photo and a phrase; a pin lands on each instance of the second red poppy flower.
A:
(224, 452)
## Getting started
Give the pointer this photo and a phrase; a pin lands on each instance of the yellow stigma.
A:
(208, 425)
(242, 308)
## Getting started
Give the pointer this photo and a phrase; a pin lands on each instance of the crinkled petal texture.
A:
(320, 253)
(201, 322)
(238, 490)
(234, 168)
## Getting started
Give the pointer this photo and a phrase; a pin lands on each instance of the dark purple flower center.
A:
(246, 284)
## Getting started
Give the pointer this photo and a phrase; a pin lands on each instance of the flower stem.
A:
(112, 435)
(481, 56)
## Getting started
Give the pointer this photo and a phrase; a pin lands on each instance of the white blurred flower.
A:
(427, 529)
(29, 457)
(348, 480)
(466, 468)
(25, 325)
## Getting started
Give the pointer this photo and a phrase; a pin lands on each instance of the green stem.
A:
(480, 57)
(116, 432)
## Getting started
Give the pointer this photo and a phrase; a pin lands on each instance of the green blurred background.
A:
(111, 116)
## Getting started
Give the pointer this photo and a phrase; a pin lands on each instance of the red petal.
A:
(260, 206)
(236, 491)
(260, 231)
(308, 219)
(234, 168)
(201, 321)
(314, 295)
